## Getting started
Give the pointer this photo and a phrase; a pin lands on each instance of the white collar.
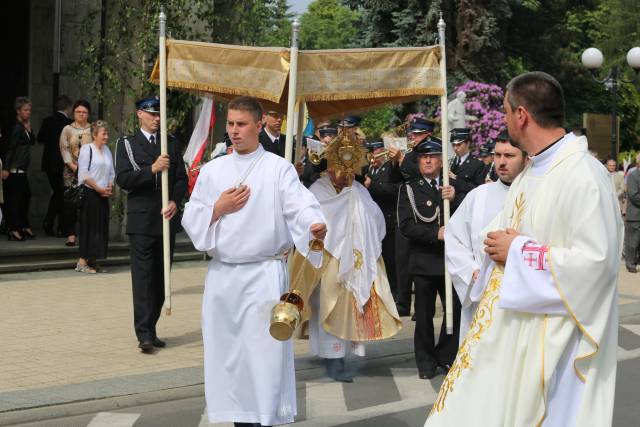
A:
(148, 135)
(543, 161)
(248, 156)
(273, 138)
(463, 158)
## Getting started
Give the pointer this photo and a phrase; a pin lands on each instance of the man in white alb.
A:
(541, 347)
(463, 249)
(247, 210)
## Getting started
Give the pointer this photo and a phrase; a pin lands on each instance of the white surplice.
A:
(249, 376)
(464, 247)
(356, 228)
(544, 336)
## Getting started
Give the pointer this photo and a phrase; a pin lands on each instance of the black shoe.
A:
(428, 374)
(146, 346)
(28, 233)
(48, 230)
(402, 312)
(336, 370)
(443, 369)
(157, 342)
(16, 237)
(632, 269)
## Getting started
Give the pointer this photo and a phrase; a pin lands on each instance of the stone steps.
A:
(51, 254)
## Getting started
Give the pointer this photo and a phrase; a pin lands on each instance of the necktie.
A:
(456, 163)
(434, 184)
(152, 139)
(275, 141)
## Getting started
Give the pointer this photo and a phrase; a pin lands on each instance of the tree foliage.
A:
(328, 25)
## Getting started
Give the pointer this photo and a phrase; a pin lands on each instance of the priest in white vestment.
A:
(541, 347)
(464, 247)
(246, 211)
(350, 298)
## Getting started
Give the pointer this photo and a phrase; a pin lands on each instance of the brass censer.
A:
(286, 315)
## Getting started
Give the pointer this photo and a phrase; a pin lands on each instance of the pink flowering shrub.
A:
(485, 102)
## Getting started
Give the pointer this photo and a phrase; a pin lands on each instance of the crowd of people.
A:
(531, 248)
(79, 167)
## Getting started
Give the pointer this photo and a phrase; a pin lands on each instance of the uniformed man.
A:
(311, 172)
(270, 136)
(486, 156)
(139, 166)
(466, 172)
(383, 181)
(419, 130)
(420, 216)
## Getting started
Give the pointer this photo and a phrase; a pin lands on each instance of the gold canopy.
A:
(331, 82)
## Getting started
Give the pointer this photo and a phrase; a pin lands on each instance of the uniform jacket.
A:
(49, 136)
(270, 146)
(385, 183)
(144, 201)
(427, 252)
(469, 175)
(633, 193)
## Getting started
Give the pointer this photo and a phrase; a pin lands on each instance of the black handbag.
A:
(74, 194)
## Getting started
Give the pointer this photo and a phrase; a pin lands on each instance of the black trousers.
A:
(147, 279)
(93, 229)
(428, 354)
(69, 220)
(55, 201)
(389, 257)
(403, 278)
(631, 243)
(17, 196)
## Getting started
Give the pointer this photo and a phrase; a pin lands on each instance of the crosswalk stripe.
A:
(204, 421)
(412, 387)
(324, 398)
(112, 419)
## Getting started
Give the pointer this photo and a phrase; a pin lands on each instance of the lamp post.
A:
(592, 59)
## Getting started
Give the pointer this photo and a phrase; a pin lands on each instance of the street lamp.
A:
(592, 59)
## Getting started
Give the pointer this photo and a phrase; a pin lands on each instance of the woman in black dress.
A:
(17, 193)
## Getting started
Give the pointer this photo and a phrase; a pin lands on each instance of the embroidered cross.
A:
(535, 253)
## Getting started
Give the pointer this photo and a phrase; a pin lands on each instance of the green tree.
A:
(328, 25)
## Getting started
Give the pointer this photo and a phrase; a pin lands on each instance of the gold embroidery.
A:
(481, 320)
(358, 261)
(368, 324)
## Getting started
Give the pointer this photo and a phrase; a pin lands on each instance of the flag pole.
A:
(163, 150)
(293, 77)
(299, 131)
(444, 126)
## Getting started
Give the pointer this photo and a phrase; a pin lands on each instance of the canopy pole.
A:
(162, 19)
(293, 81)
(299, 131)
(444, 126)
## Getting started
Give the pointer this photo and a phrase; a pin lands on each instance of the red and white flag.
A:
(199, 140)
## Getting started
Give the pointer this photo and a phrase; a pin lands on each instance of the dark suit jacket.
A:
(426, 251)
(384, 190)
(268, 145)
(49, 136)
(633, 194)
(144, 201)
(469, 175)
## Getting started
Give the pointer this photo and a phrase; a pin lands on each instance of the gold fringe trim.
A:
(344, 96)
(214, 89)
(582, 329)
(368, 324)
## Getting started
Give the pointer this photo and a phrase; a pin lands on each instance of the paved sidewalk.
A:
(68, 337)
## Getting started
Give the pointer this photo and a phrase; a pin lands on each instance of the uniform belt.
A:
(17, 171)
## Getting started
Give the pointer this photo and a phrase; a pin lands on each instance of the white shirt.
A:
(271, 137)
(148, 135)
(97, 164)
